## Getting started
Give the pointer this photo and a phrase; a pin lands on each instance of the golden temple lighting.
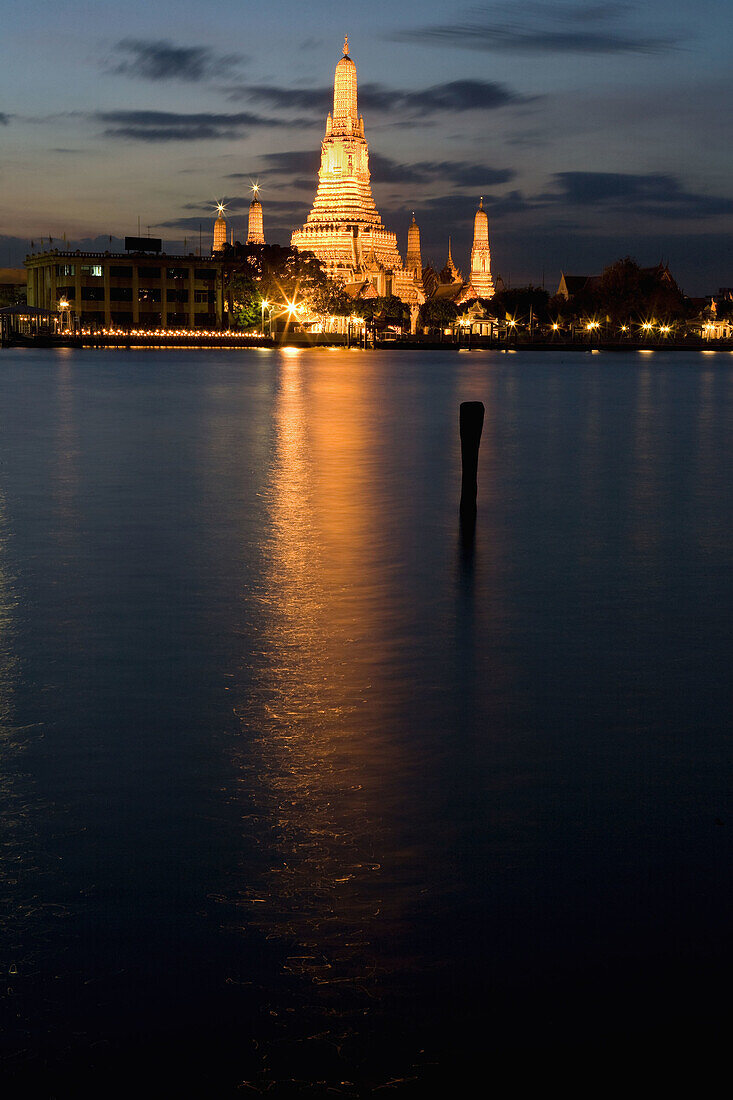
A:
(220, 228)
(255, 225)
(344, 228)
(481, 279)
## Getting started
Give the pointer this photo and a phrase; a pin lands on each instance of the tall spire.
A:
(220, 229)
(413, 260)
(481, 279)
(450, 268)
(255, 227)
(345, 114)
(344, 228)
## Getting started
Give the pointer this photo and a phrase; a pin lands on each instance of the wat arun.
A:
(344, 229)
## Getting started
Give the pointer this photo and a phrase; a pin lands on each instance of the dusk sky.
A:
(591, 129)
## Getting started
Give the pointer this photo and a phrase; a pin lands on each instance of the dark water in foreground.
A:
(297, 791)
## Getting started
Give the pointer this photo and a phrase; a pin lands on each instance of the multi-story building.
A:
(123, 290)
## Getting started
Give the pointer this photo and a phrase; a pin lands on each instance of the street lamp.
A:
(64, 315)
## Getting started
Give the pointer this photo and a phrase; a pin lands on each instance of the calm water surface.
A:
(298, 792)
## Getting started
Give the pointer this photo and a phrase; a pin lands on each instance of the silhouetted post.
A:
(471, 423)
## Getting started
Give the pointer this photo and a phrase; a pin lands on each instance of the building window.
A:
(149, 272)
(120, 294)
(121, 272)
(176, 295)
(177, 272)
(204, 273)
(65, 269)
(94, 270)
(148, 294)
(92, 294)
(66, 292)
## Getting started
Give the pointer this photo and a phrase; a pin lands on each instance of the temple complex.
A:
(255, 227)
(344, 229)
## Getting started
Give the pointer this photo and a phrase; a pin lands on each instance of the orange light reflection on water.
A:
(329, 777)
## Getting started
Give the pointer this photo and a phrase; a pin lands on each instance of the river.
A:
(302, 792)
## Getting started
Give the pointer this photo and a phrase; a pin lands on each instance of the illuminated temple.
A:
(220, 229)
(255, 227)
(344, 229)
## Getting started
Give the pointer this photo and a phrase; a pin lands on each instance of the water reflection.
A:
(66, 467)
(15, 861)
(327, 778)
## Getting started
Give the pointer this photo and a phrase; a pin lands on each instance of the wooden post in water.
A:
(471, 423)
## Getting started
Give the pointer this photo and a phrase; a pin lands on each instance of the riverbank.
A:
(327, 340)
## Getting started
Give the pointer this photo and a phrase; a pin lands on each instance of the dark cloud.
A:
(163, 60)
(4, 119)
(276, 212)
(156, 126)
(317, 100)
(577, 28)
(455, 96)
(459, 173)
(296, 161)
(653, 194)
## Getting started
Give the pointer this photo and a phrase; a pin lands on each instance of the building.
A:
(570, 285)
(220, 230)
(129, 290)
(413, 259)
(255, 225)
(344, 229)
(449, 284)
(13, 282)
(481, 282)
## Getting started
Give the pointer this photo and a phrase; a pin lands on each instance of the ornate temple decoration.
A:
(255, 227)
(450, 273)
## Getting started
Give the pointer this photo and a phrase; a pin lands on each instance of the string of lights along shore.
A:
(344, 229)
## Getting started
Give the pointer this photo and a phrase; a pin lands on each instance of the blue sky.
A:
(592, 129)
